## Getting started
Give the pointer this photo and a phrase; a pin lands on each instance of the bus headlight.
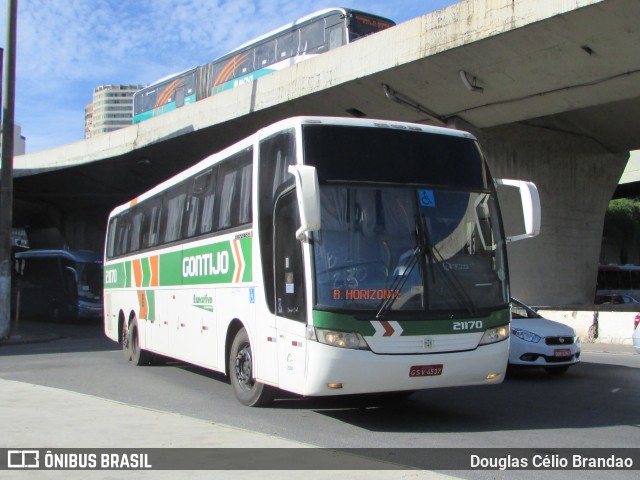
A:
(337, 339)
(494, 335)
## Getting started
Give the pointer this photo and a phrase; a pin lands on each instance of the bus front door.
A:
(290, 295)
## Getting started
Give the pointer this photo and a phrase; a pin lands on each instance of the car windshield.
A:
(391, 250)
(520, 310)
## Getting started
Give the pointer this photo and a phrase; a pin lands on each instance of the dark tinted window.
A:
(370, 154)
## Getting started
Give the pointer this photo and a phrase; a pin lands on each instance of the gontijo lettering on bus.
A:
(223, 262)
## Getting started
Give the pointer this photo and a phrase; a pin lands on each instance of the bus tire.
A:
(248, 391)
(138, 355)
(125, 340)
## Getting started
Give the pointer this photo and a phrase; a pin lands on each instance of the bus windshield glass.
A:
(90, 281)
(433, 244)
(361, 25)
(407, 250)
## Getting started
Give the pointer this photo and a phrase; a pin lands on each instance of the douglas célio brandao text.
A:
(551, 461)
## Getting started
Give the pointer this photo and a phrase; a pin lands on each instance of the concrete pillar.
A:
(576, 178)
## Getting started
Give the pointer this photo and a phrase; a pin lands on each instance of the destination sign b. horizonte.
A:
(320, 459)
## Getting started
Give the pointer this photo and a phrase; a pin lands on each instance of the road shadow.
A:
(30, 337)
(589, 395)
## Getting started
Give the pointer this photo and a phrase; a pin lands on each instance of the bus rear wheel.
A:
(138, 355)
(125, 340)
(248, 391)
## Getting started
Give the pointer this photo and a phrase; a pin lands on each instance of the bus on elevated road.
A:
(297, 41)
(321, 256)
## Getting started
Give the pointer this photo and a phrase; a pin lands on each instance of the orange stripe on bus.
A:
(154, 264)
(137, 272)
(166, 94)
(236, 247)
(225, 73)
(228, 69)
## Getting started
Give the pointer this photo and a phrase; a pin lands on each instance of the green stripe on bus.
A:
(216, 263)
(151, 301)
(336, 321)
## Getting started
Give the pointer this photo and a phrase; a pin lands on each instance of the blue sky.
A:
(68, 47)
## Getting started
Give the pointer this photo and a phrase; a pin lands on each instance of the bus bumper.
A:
(340, 371)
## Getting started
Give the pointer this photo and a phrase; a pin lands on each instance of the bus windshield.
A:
(90, 281)
(409, 223)
(361, 25)
(407, 250)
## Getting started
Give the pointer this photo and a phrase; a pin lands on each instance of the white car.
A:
(538, 342)
(636, 333)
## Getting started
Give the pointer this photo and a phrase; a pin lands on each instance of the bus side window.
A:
(122, 235)
(243, 63)
(265, 54)
(287, 45)
(234, 191)
(111, 237)
(137, 220)
(223, 73)
(336, 38)
(246, 174)
(227, 189)
(175, 207)
(208, 204)
(153, 232)
(193, 215)
(148, 100)
(200, 205)
(335, 26)
(312, 38)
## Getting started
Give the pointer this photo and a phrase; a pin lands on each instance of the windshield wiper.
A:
(450, 280)
(401, 278)
(398, 282)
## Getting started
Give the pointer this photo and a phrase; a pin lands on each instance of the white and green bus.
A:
(321, 256)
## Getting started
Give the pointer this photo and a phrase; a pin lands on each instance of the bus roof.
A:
(291, 122)
(280, 29)
(78, 256)
(299, 21)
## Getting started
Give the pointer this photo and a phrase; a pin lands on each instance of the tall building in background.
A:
(19, 141)
(88, 120)
(111, 109)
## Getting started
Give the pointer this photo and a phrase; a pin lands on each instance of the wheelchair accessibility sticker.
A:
(426, 198)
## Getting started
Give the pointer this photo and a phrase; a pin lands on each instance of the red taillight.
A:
(636, 321)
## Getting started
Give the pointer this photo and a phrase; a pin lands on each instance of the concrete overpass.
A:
(556, 100)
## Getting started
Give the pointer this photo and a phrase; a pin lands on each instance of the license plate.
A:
(425, 370)
(562, 352)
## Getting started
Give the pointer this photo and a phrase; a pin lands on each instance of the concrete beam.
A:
(576, 178)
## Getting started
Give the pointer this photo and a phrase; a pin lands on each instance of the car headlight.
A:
(336, 338)
(494, 335)
(526, 335)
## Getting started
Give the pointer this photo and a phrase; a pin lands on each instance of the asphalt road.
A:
(595, 404)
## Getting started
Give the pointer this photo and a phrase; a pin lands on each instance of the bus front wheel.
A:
(248, 391)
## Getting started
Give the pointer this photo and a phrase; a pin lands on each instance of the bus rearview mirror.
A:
(308, 193)
(530, 203)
